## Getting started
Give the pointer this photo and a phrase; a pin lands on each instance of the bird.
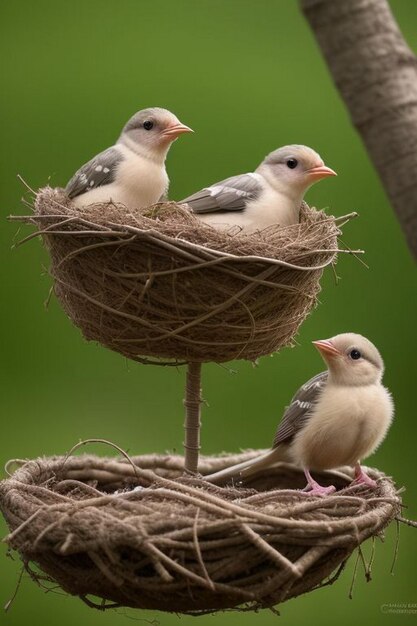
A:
(132, 171)
(338, 417)
(270, 195)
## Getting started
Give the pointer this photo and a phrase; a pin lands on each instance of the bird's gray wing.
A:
(230, 194)
(99, 171)
(299, 411)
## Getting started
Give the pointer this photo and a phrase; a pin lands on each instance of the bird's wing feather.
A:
(299, 411)
(230, 194)
(99, 171)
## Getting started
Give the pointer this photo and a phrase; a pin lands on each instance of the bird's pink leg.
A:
(314, 489)
(361, 478)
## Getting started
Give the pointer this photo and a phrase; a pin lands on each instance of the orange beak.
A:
(326, 348)
(319, 172)
(174, 131)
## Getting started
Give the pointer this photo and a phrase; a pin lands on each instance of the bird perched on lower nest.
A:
(132, 171)
(271, 195)
(339, 417)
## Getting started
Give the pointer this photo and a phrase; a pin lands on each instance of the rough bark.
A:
(376, 74)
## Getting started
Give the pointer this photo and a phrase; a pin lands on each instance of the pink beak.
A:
(319, 172)
(174, 131)
(326, 348)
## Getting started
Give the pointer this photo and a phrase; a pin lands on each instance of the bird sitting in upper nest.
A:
(132, 172)
(271, 195)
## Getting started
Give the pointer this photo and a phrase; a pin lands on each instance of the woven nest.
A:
(138, 533)
(159, 283)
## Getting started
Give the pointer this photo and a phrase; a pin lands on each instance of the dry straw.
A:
(138, 533)
(159, 284)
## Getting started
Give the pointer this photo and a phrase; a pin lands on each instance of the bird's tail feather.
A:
(246, 468)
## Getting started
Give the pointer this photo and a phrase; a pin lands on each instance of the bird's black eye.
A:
(355, 354)
(292, 163)
(147, 125)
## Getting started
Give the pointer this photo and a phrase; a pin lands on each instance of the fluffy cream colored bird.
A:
(132, 171)
(337, 418)
(271, 195)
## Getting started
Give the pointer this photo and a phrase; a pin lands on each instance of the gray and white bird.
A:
(132, 171)
(338, 417)
(271, 195)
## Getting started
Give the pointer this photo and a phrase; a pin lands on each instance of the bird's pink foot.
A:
(318, 490)
(363, 479)
(314, 489)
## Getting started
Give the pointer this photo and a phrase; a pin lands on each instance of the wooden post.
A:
(192, 424)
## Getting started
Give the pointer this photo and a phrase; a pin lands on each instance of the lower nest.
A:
(159, 283)
(141, 534)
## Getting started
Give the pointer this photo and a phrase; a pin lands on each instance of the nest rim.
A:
(170, 302)
(309, 543)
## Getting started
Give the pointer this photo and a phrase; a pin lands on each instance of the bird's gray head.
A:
(351, 359)
(293, 169)
(150, 132)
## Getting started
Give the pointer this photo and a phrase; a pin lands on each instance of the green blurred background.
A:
(248, 77)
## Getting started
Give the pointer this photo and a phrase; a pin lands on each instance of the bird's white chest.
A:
(347, 425)
(270, 209)
(139, 182)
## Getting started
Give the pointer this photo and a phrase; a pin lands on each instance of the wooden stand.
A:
(192, 424)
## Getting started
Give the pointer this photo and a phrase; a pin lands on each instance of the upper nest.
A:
(160, 283)
(180, 544)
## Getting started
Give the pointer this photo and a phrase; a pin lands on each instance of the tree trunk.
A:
(376, 74)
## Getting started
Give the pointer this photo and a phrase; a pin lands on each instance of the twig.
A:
(107, 443)
(16, 590)
(397, 545)
(355, 569)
